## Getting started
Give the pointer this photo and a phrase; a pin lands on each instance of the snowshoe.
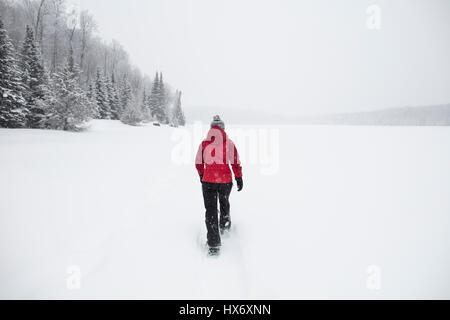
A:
(214, 251)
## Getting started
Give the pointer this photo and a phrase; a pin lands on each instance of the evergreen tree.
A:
(178, 114)
(102, 99)
(149, 107)
(114, 100)
(71, 62)
(93, 100)
(126, 95)
(132, 114)
(12, 103)
(158, 100)
(153, 101)
(109, 96)
(50, 116)
(26, 87)
(71, 107)
(145, 107)
(90, 91)
(163, 102)
(35, 79)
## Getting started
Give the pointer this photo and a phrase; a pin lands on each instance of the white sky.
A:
(287, 56)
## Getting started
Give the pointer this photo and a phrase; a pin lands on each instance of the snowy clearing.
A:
(111, 204)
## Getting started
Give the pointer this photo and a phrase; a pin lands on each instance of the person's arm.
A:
(235, 161)
(237, 168)
(200, 162)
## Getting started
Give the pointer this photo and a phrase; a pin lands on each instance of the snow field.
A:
(111, 202)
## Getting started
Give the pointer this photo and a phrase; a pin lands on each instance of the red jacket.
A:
(214, 157)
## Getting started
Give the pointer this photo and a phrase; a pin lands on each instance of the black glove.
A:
(240, 184)
(201, 179)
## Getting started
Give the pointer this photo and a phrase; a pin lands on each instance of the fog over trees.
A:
(57, 73)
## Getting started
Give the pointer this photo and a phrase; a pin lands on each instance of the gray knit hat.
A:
(217, 122)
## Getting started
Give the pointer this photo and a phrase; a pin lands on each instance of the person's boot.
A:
(214, 251)
(225, 227)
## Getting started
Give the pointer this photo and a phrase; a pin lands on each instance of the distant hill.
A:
(438, 115)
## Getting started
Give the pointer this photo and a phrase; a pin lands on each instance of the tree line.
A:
(55, 73)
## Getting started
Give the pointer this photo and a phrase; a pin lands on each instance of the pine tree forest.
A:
(57, 73)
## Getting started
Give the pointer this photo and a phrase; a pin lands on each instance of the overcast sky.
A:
(287, 56)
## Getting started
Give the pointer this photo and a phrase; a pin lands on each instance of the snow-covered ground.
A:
(348, 212)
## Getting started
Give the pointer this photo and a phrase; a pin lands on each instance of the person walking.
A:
(215, 156)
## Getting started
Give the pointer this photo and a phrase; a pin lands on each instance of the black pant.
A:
(210, 193)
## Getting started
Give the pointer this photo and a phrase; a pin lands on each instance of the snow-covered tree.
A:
(163, 102)
(153, 101)
(132, 115)
(93, 100)
(101, 94)
(126, 95)
(145, 108)
(46, 47)
(71, 107)
(13, 110)
(114, 101)
(51, 117)
(35, 79)
(178, 118)
(158, 100)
